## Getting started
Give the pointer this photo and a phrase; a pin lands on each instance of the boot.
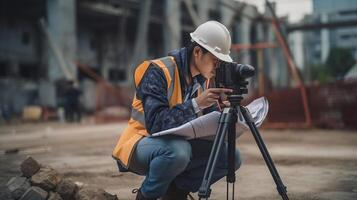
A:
(139, 195)
(175, 193)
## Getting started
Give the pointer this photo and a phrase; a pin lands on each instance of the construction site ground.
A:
(313, 163)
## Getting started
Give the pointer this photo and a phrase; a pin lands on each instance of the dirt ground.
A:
(313, 164)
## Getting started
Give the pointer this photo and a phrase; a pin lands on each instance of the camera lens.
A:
(244, 71)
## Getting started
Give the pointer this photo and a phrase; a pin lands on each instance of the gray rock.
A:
(109, 196)
(34, 193)
(54, 196)
(67, 189)
(29, 167)
(12, 151)
(5, 193)
(94, 194)
(18, 186)
(46, 178)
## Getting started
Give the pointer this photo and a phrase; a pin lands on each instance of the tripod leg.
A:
(231, 150)
(204, 190)
(269, 162)
(231, 153)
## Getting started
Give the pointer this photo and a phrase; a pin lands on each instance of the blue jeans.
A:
(170, 158)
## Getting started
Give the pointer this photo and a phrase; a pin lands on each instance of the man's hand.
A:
(225, 104)
(210, 97)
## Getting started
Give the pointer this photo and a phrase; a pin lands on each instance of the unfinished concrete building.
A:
(42, 43)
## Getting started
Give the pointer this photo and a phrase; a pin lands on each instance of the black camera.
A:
(233, 76)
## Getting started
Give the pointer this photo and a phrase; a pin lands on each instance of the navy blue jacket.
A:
(152, 92)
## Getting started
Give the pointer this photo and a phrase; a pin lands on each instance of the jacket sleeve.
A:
(152, 91)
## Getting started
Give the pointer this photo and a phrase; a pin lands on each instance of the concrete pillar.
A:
(277, 64)
(62, 27)
(325, 42)
(203, 9)
(271, 53)
(260, 32)
(61, 17)
(260, 60)
(226, 12)
(172, 26)
(236, 39)
(296, 45)
(245, 39)
(141, 44)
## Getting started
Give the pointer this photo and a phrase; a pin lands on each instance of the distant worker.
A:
(171, 91)
(72, 106)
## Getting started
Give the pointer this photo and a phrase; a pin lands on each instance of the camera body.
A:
(233, 76)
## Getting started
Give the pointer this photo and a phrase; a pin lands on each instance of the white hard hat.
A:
(214, 37)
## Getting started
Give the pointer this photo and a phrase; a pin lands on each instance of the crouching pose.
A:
(171, 91)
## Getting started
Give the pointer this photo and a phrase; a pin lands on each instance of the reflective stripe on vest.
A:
(138, 116)
(170, 66)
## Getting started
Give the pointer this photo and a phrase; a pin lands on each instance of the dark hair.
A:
(190, 48)
(192, 45)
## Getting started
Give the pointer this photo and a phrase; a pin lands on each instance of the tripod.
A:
(227, 124)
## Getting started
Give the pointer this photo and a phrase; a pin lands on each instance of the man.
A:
(170, 91)
(72, 106)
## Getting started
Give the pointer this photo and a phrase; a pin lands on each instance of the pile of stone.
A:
(40, 182)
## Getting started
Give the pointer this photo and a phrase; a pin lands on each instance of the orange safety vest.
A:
(136, 125)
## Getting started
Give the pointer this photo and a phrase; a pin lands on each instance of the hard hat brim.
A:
(220, 56)
(223, 57)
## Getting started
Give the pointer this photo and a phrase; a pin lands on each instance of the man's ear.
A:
(196, 51)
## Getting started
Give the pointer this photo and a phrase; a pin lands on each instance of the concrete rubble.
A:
(46, 178)
(29, 167)
(42, 182)
(34, 193)
(91, 194)
(67, 189)
(54, 196)
(18, 186)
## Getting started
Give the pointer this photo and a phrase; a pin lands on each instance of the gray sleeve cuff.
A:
(195, 106)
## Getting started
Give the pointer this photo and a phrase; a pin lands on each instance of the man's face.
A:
(206, 64)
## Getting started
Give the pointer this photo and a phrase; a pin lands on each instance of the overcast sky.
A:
(295, 9)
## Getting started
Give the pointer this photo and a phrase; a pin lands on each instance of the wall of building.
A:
(21, 65)
(102, 37)
(328, 6)
(319, 42)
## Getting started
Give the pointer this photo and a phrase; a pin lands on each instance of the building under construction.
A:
(44, 42)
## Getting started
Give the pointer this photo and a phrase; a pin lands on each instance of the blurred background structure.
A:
(307, 69)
